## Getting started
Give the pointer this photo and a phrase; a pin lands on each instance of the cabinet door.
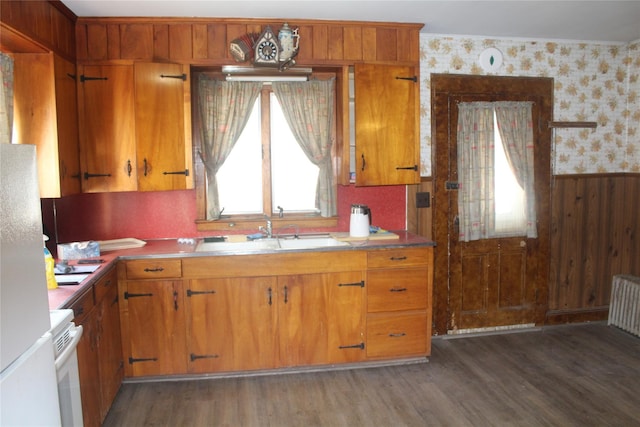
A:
(231, 324)
(88, 371)
(162, 152)
(320, 318)
(156, 324)
(107, 130)
(46, 114)
(387, 125)
(111, 369)
(67, 120)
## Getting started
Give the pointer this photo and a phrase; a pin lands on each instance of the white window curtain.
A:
(476, 165)
(6, 98)
(308, 109)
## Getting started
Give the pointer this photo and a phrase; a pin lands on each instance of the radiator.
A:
(624, 307)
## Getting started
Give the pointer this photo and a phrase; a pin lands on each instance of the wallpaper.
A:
(593, 82)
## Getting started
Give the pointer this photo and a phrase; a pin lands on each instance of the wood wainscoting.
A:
(594, 235)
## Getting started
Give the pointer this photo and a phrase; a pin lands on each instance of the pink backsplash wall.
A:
(171, 214)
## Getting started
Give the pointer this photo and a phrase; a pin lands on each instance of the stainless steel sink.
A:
(310, 243)
(248, 246)
(280, 244)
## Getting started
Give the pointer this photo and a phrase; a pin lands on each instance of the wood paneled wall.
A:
(206, 41)
(48, 24)
(595, 234)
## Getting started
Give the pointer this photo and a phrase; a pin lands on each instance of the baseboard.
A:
(556, 317)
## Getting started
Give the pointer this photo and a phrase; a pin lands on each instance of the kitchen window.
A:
(265, 171)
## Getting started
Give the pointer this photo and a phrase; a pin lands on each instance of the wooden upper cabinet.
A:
(387, 125)
(67, 119)
(107, 128)
(163, 155)
(45, 114)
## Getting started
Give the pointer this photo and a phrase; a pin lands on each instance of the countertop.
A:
(65, 296)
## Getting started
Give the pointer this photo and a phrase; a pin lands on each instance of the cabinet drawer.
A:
(397, 289)
(401, 257)
(105, 284)
(397, 334)
(83, 306)
(154, 269)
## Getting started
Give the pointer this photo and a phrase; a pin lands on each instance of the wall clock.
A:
(267, 49)
(491, 59)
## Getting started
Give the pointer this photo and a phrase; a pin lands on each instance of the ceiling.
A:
(603, 21)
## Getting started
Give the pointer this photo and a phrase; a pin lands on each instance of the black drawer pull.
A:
(398, 258)
(398, 290)
(153, 270)
(397, 335)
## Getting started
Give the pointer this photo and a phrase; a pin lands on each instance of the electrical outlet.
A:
(423, 200)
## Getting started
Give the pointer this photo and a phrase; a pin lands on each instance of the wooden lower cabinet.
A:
(320, 318)
(199, 315)
(156, 327)
(231, 324)
(99, 351)
(399, 289)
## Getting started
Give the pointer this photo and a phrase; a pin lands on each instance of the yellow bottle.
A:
(50, 266)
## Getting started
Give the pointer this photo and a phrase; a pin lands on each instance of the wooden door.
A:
(107, 128)
(156, 326)
(163, 156)
(387, 125)
(320, 318)
(231, 324)
(494, 282)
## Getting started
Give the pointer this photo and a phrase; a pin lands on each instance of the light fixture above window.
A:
(251, 74)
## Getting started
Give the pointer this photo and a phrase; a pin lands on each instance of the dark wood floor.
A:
(578, 375)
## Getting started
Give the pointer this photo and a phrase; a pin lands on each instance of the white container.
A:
(360, 221)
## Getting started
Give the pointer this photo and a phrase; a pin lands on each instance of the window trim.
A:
(243, 222)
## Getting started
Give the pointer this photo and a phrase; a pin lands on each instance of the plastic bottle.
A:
(50, 266)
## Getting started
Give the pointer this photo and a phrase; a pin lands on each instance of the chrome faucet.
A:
(268, 229)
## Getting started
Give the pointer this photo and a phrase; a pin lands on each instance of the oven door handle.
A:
(75, 334)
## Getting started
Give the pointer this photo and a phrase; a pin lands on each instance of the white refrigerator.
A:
(28, 384)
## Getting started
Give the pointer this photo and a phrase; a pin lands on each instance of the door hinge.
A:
(143, 359)
(84, 78)
(191, 293)
(412, 78)
(451, 185)
(344, 347)
(128, 295)
(179, 76)
(194, 357)
(360, 284)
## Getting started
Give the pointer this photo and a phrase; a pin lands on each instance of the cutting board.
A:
(119, 244)
(344, 236)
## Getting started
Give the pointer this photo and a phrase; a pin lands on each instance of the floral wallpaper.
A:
(593, 82)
